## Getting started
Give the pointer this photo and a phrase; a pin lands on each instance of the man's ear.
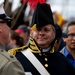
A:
(54, 36)
(64, 39)
(0, 30)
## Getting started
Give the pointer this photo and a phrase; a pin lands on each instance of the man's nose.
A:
(41, 32)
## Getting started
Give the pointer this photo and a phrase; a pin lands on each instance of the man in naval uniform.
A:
(40, 58)
(9, 65)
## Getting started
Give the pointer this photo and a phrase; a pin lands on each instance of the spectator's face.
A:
(25, 36)
(70, 41)
(44, 35)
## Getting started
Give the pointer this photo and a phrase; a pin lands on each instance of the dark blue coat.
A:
(57, 64)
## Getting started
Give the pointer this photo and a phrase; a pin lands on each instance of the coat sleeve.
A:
(13, 68)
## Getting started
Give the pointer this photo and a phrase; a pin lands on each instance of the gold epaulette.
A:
(14, 50)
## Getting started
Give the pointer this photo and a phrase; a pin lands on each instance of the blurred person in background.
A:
(58, 18)
(15, 40)
(69, 50)
(58, 37)
(59, 43)
(24, 32)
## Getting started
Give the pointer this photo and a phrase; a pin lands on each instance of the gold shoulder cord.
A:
(14, 50)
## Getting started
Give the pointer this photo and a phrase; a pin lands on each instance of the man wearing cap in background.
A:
(24, 32)
(8, 63)
(39, 58)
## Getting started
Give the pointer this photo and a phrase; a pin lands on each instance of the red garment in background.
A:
(33, 3)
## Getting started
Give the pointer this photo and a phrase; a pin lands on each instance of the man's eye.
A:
(38, 29)
(71, 35)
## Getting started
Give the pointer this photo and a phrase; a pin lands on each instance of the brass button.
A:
(46, 59)
(40, 54)
(46, 65)
(11, 56)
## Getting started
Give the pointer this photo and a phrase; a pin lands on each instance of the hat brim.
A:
(18, 31)
(6, 19)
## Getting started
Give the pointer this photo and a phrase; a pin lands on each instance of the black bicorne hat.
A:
(42, 15)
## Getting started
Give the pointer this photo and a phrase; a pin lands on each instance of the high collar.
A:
(46, 50)
(36, 49)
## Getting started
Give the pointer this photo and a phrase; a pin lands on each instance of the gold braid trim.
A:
(52, 51)
(33, 47)
(15, 50)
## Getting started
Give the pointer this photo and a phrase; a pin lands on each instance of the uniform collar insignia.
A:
(34, 47)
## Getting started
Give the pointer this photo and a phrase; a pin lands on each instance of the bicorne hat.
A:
(42, 16)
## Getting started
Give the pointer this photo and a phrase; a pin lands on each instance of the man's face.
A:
(70, 41)
(4, 33)
(44, 35)
(25, 36)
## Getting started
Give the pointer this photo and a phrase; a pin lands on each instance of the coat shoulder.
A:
(15, 50)
(5, 55)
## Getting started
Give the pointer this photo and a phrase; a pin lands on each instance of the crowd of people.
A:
(43, 48)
